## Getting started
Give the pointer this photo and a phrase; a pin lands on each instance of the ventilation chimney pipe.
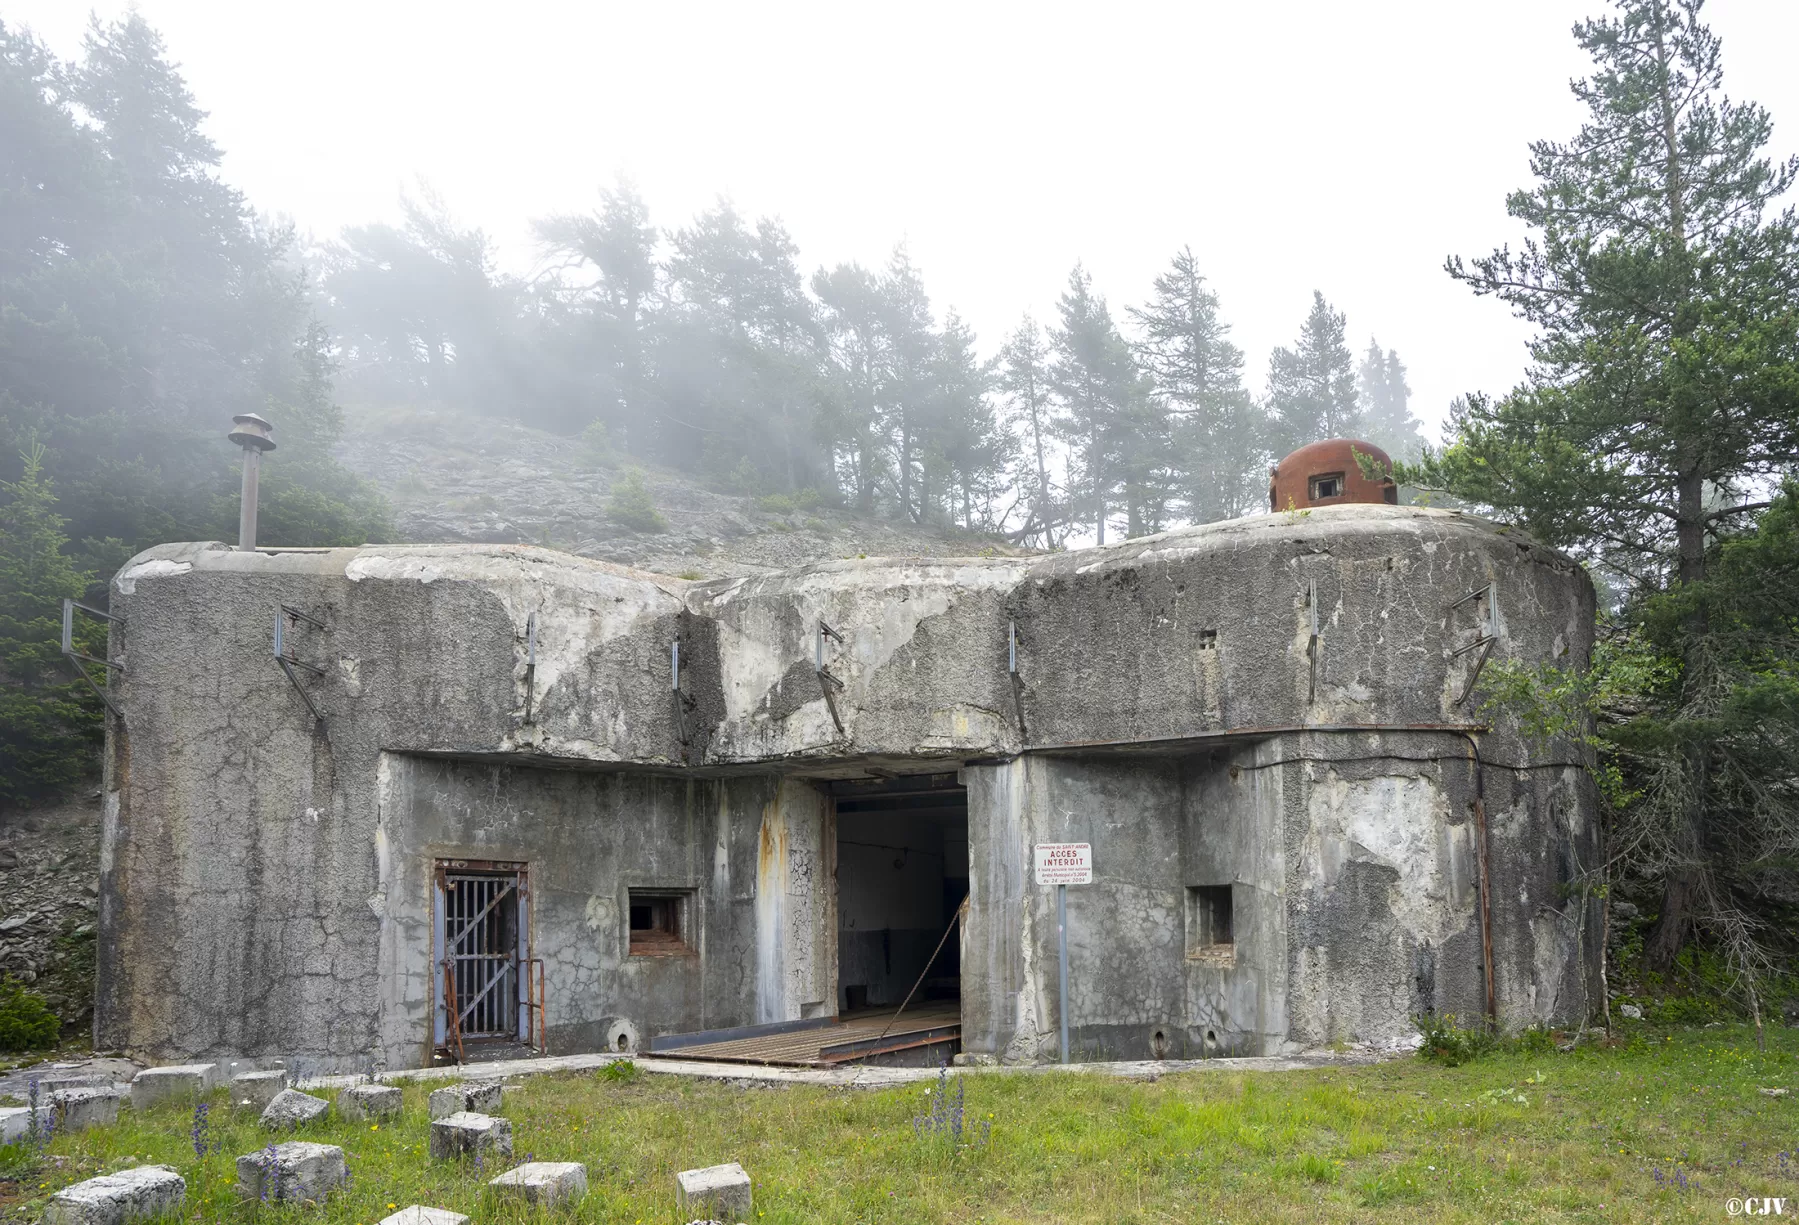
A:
(252, 434)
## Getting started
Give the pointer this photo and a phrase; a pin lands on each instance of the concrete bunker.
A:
(694, 797)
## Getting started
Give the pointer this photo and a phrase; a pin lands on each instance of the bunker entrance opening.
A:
(481, 932)
(902, 875)
(902, 872)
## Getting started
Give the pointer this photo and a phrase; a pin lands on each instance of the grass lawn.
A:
(1665, 1126)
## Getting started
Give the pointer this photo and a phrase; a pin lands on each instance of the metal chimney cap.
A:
(252, 431)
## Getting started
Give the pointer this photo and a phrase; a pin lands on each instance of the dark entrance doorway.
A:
(902, 875)
(902, 872)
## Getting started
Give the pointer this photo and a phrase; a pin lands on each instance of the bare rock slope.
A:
(460, 479)
(49, 874)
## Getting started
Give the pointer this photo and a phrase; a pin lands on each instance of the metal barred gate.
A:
(482, 926)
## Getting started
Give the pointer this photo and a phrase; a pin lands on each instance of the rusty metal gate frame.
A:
(464, 980)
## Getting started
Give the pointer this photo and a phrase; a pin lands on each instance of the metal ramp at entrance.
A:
(919, 1037)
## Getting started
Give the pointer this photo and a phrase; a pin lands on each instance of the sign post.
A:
(1062, 963)
(1063, 864)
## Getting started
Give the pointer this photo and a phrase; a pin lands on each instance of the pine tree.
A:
(145, 304)
(1387, 419)
(1311, 387)
(1219, 434)
(420, 311)
(968, 445)
(632, 505)
(906, 402)
(850, 303)
(50, 724)
(603, 294)
(738, 360)
(1663, 394)
(1096, 385)
(1024, 380)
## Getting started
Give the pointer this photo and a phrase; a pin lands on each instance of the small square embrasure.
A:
(1210, 923)
(658, 920)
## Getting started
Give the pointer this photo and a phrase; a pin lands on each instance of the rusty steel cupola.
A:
(1326, 474)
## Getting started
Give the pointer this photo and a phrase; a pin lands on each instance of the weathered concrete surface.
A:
(15, 1122)
(294, 1172)
(154, 1085)
(77, 1109)
(1350, 863)
(752, 854)
(60, 1110)
(258, 1088)
(418, 1214)
(141, 1193)
(290, 1108)
(478, 1096)
(1168, 701)
(360, 1103)
(546, 1183)
(54, 1076)
(874, 1076)
(721, 1191)
(465, 1134)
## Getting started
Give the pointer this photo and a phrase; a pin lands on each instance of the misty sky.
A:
(1346, 147)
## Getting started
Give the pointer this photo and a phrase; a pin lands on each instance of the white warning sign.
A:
(1064, 863)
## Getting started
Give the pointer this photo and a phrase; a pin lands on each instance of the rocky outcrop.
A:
(455, 479)
(49, 885)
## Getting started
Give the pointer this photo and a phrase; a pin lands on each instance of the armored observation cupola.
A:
(1326, 474)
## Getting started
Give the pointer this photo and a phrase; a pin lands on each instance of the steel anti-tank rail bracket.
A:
(530, 662)
(1312, 644)
(1485, 635)
(674, 685)
(1017, 681)
(284, 657)
(75, 657)
(827, 682)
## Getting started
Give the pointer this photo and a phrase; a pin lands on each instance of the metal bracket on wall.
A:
(284, 612)
(674, 684)
(1017, 681)
(530, 662)
(75, 657)
(1486, 636)
(1312, 642)
(826, 682)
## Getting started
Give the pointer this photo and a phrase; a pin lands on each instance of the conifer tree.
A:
(907, 406)
(855, 348)
(609, 307)
(968, 446)
(1096, 384)
(1219, 434)
(1663, 279)
(1311, 386)
(145, 305)
(1387, 419)
(49, 722)
(1024, 380)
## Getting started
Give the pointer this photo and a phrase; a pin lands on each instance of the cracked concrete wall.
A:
(1352, 869)
(1159, 825)
(590, 838)
(796, 906)
(275, 846)
(1383, 881)
(230, 818)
